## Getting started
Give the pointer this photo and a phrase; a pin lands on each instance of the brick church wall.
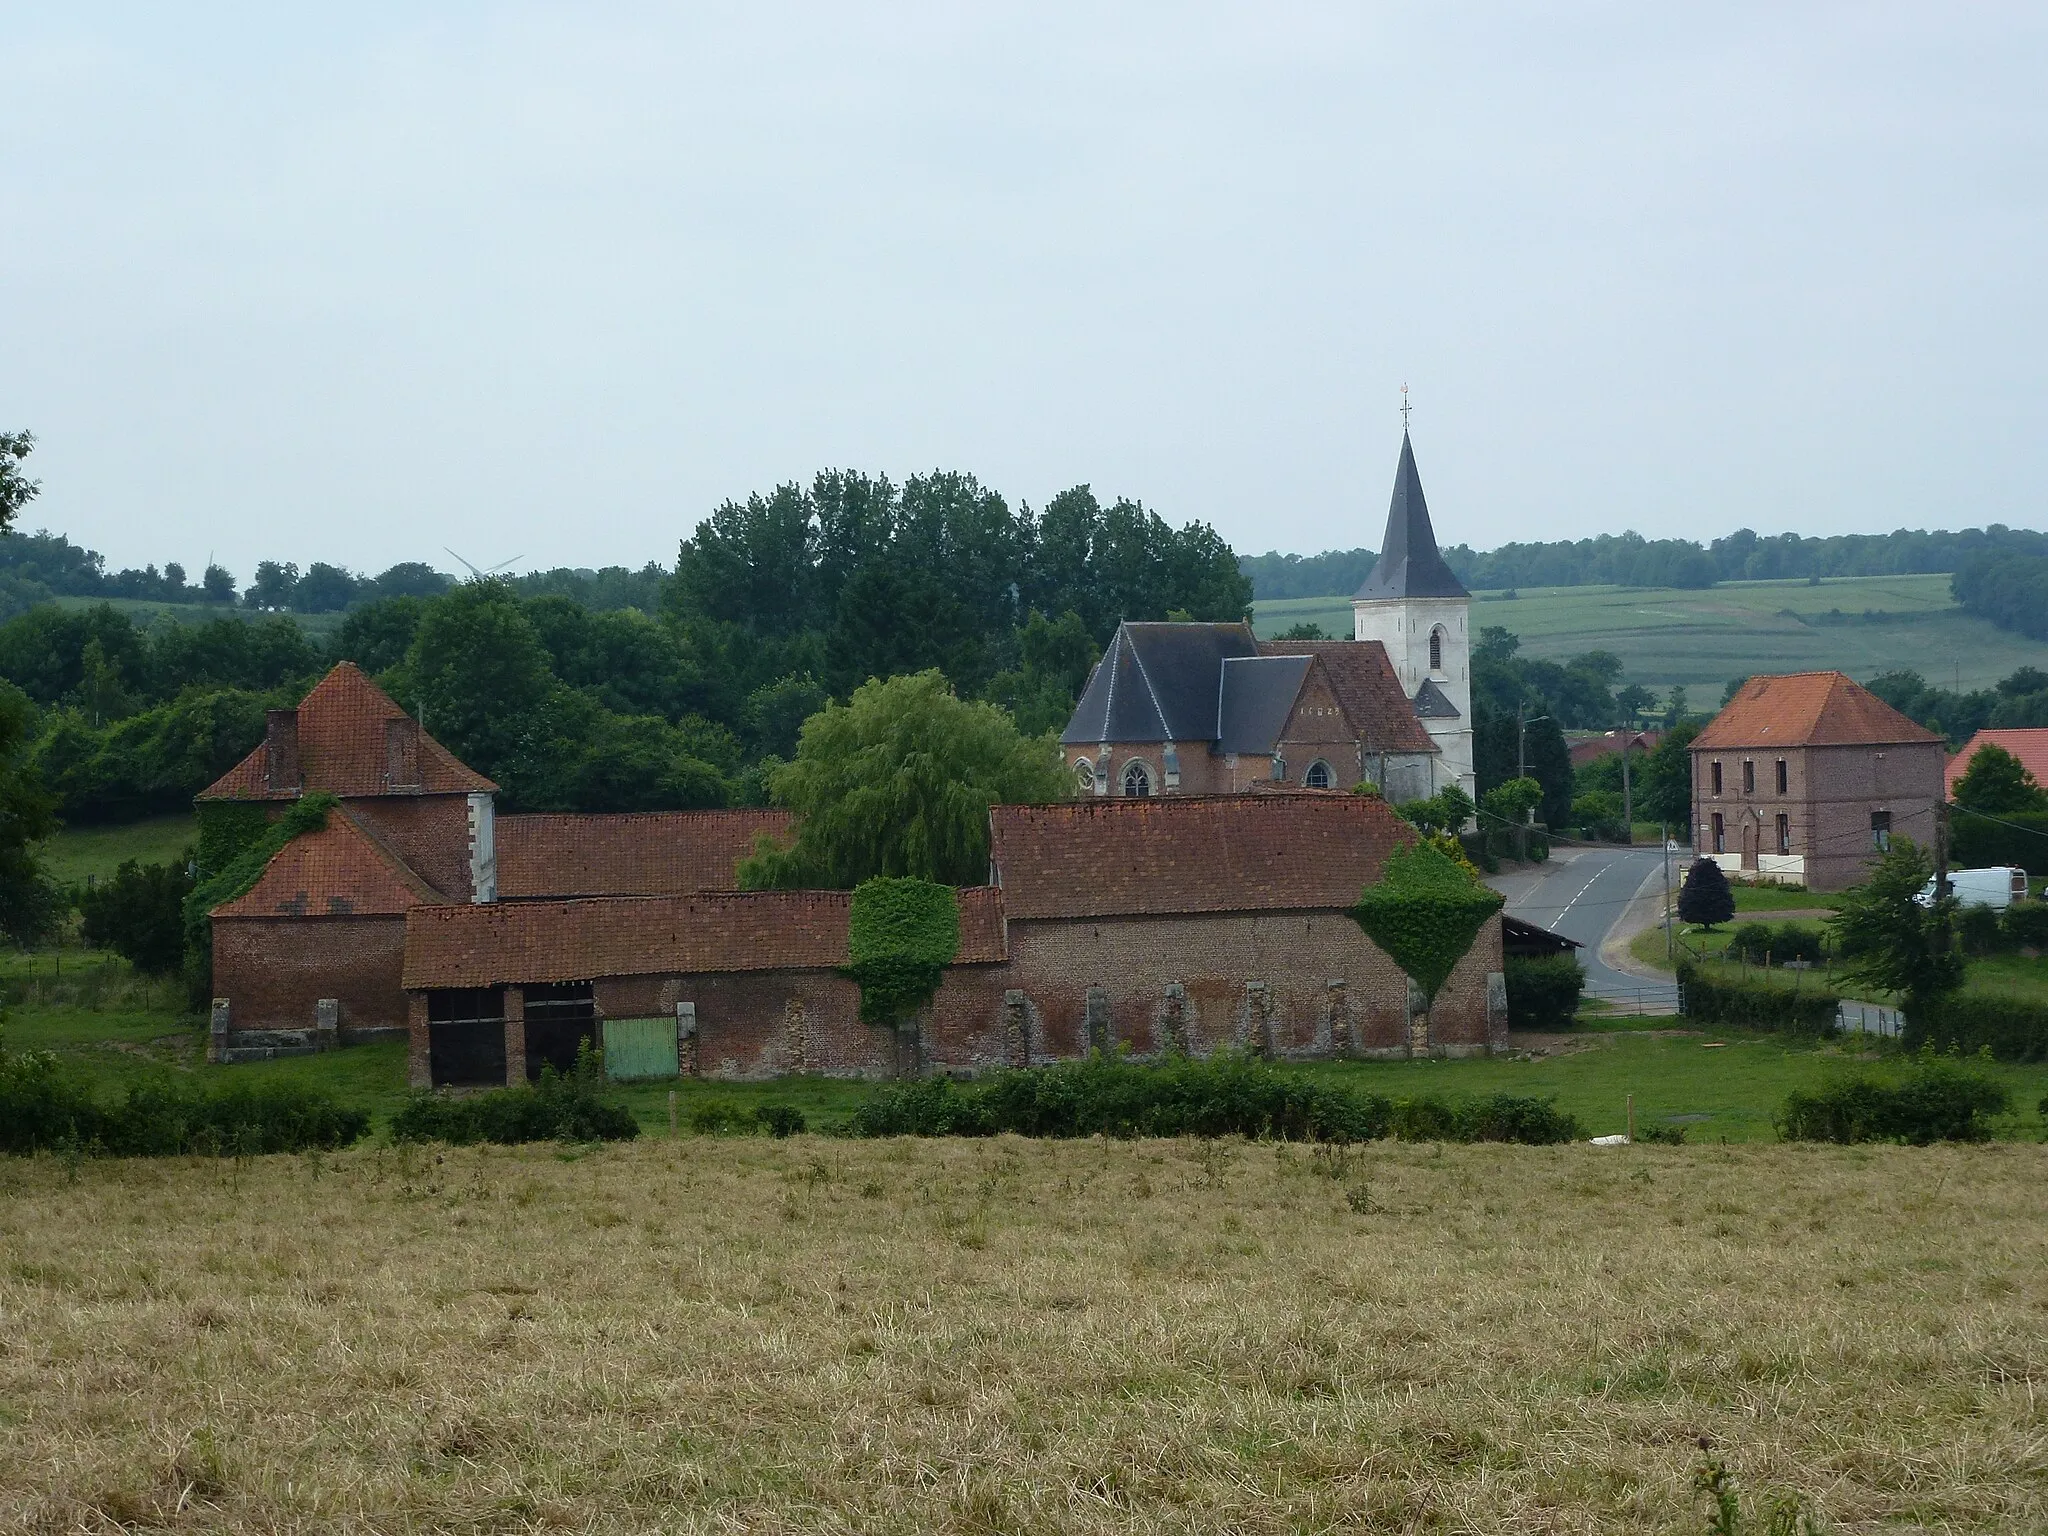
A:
(272, 970)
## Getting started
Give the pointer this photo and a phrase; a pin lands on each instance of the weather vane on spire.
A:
(1405, 409)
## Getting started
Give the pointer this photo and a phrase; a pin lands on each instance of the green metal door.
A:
(640, 1047)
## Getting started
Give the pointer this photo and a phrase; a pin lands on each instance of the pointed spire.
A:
(1409, 565)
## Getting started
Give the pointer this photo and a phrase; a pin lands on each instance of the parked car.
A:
(1997, 887)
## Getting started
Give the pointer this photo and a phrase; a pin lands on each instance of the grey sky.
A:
(554, 280)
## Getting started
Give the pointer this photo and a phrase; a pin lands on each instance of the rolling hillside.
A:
(1863, 625)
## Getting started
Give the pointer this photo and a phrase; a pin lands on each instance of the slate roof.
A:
(343, 870)
(1432, 703)
(645, 853)
(1363, 678)
(1157, 682)
(1807, 709)
(2029, 746)
(1117, 857)
(1409, 564)
(711, 933)
(342, 750)
(1256, 697)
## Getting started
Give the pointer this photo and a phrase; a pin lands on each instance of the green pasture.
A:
(1861, 625)
(75, 853)
(318, 626)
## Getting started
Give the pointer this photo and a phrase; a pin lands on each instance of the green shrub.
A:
(1755, 1004)
(1224, 1095)
(2018, 838)
(901, 936)
(1934, 1100)
(553, 1108)
(2009, 1027)
(139, 914)
(722, 1117)
(42, 1109)
(1777, 943)
(1752, 941)
(2026, 924)
(1979, 930)
(1543, 992)
(1425, 912)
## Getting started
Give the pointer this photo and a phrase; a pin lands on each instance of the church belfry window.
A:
(1436, 650)
(1137, 781)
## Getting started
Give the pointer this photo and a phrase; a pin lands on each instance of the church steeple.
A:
(1409, 565)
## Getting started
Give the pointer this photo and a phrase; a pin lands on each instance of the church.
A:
(1208, 709)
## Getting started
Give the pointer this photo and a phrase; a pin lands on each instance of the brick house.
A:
(312, 954)
(1804, 778)
(1191, 923)
(2029, 745)
(1187, 708)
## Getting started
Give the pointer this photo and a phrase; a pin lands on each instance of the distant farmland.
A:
(1863, 625)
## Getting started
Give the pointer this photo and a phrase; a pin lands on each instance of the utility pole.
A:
(1664, 836)
(1628, 803)
(1940, 876)
(1521, 742)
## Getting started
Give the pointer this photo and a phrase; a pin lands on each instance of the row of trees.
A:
(2008, 588)
(1629, 559)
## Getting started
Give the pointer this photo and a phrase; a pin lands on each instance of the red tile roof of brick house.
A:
(2029, 746)
(643, 853)
(711, 933)
(344, 748)
(1808, 709)
(343, 870)
(1114, 857)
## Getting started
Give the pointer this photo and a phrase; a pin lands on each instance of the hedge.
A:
(43, 1109)
(1756, 1005)
(2012, 1029)
(555, 1108)
(1543, 991)
(1935, 1101)
(901, 936)
(1223, 1095)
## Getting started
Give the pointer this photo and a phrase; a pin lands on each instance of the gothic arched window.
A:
(1436, 650)
(1318, 775)
(1137, 781)
(1084, 775)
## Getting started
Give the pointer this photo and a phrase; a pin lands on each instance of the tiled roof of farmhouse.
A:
(1114, 857)
(644, 853)
(2029, 746)
(1366, 685)
(1807, 709)
(343, 870)
(710, 933)
(342, 748)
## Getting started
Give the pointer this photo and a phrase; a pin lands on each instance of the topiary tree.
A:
(1425, 912)
(1705, 898)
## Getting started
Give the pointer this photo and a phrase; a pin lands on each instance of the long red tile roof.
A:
(342, 748)
(2029, 746)
(1117, 856)
(711, 933)
(646, 853)
(343, 870)
(1807, 709)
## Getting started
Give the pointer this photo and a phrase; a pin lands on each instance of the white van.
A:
(1997, 887)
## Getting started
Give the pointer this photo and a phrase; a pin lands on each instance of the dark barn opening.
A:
(559, 1018)
(466, 1036)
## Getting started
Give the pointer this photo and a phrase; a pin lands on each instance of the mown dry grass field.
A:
(819, 1335)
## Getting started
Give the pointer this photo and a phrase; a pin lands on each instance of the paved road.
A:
(1582, 894)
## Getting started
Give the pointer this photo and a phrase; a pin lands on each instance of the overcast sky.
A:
(352, 283)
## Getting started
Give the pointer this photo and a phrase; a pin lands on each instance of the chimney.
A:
(281, 748)
(402, 753)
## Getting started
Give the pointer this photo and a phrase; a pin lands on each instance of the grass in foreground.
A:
(1023, 1337)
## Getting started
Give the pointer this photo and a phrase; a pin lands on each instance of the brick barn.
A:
(1192, 923)
(1807, 777)
(500, 944)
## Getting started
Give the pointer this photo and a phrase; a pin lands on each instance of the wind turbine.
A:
(477, 575)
